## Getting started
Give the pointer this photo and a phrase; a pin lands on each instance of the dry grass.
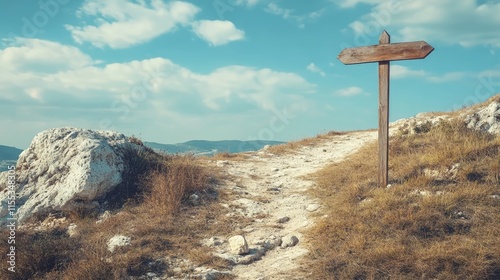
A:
(475, 107)
(435, 222)
(293, 146)
(230, 156)
(156, 212)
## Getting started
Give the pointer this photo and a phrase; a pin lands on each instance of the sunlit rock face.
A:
(64, 167)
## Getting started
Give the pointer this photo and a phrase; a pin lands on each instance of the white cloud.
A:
(353, 3)
(34, 93)
(491, 73)
(273, 8)
(145, 82)
(231, 101)
(398, 72)
(447, 77)
(288, 14)
(264, 87)
(25, 62)
(350, 91)
(315, 69)
(121, 24)
(39, 55)
(217, 32)
(248, 3)
(465, 22)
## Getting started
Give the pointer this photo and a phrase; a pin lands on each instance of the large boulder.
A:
(64, 167)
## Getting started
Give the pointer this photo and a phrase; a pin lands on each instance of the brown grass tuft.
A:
(229, 156)
(293, 146)
(158, 214)
(435, 222)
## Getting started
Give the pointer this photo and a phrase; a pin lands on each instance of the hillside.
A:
(8, 157)
(9, 153)
(309, 209)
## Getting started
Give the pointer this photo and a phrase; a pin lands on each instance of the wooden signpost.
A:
(383, 53)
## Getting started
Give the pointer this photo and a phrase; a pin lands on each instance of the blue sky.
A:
(172, 71)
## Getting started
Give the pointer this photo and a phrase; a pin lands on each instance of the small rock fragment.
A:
(104, 216)
(274, 190)
(289, 241)
(118, 241)
(72, 231)
(313, 207)
(283, 220)
(194, 199)
(238, 245)
(272, 243)
(214, 241)
(221, 163)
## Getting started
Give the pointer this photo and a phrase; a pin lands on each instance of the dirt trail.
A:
(270, 189)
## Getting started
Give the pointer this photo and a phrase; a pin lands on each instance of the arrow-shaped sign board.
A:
(383, 53)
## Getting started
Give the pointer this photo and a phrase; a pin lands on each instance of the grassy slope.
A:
(152, 208)
(435, 222)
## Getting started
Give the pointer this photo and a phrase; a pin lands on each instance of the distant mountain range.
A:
(9, 155)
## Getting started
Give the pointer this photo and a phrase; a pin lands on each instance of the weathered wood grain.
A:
(385, 52)
(383, 116)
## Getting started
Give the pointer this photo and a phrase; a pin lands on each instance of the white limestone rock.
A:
(289, 241)
(117, 241)
(72, 230)
(486, 118)
(313, 207)
(238, 245)
(66, 166)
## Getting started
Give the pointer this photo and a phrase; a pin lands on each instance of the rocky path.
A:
(270, 189)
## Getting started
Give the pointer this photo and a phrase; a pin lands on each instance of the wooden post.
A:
(383, 115)
(383, 53)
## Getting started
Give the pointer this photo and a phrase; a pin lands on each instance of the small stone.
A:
(194, 199)
(118, 241)
(272, 243)
(274, 190)
(366, 201)
(177, 270)
(289, 241)
(104, 216)
(238, 245)
(313, 207)
(72, 231)
(283, 220)
(221, 163)
(214, 241)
